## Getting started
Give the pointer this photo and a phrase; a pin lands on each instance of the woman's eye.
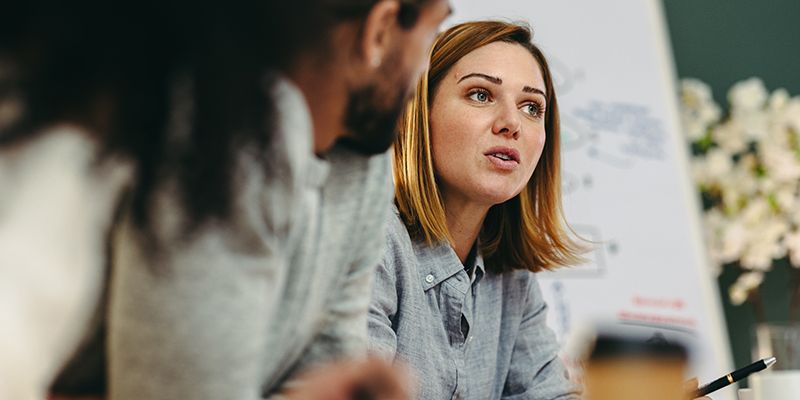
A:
(481, 96)
(533, 109)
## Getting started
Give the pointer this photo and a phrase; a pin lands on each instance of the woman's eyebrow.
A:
(493, 79)
(498, 81)
(528, 89)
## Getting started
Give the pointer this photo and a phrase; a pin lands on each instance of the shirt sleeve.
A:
(536, 372)
(344, 331)
(344, 334)
(382, 337)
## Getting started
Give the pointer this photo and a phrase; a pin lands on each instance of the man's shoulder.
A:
(346, 163)
(362, 184)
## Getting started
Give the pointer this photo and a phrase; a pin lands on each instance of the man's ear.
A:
(378, 33)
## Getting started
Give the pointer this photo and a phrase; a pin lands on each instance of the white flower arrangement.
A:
(747, 167)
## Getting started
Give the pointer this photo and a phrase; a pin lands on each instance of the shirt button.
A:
(429, 278)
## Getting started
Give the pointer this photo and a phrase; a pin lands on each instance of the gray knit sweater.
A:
(237, 310)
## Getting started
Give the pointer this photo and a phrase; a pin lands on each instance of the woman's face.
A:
(487, 124)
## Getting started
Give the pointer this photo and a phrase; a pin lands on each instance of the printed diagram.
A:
(615, 134)
(577, 135)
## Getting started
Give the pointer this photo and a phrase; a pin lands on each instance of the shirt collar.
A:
(439, 261)
(480, 268)
(294, 119)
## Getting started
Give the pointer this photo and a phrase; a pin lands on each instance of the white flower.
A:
(768, 184)
(786, 197)
(747, 99)
(751, 280)
(758, 256)
(784, 124)
(699, 171)
(713, 226)
(780, 163)
(747, 95)
(778, 133)
(732, 195)
(792, 115)
(774, 231)
(740, 290)
(754, 123)
(744, 175)
(738, 186)
(730, 136)
(733, 241)
(719, 163)
(792, 243)
(695, 92)
(778, 99)
(699, 110)
(756, 211)
(766, 244)
(737, 295)
(752, 171)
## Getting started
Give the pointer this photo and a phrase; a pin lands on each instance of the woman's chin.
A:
(494, 196)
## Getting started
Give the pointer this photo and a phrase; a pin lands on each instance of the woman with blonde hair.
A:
(477, 175)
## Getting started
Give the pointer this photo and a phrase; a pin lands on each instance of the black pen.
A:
(735, 376)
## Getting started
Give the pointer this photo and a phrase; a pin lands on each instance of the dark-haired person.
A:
(235, 302)
(232, 177)
(74, 108)
(478, 214)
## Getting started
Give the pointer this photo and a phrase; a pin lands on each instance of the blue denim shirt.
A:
(466, 337)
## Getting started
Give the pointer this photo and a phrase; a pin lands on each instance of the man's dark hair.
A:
(177, 86)
(337, 10)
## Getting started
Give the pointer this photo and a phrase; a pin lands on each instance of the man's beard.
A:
(371, 128)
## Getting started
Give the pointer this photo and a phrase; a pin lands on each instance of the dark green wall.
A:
(722, 42)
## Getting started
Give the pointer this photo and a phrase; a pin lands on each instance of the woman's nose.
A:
(507, 122)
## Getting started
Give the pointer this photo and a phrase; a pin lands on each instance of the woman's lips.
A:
(506, 165)
(504, 158)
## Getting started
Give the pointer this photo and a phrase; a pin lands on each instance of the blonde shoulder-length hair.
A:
(526, 232)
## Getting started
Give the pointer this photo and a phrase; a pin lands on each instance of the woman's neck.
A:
(464, 221)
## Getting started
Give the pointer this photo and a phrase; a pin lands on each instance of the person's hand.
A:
(691, 386)
(372, 379)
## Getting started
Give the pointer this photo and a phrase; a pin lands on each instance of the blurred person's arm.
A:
(321, 378)
(372, 378)
(382, 337)
(334, 366)
(56, 206)
(536, 371)
(344, 333)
